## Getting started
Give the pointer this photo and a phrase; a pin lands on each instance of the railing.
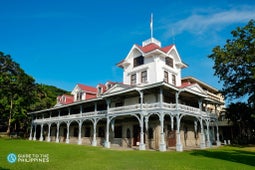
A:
(124, 108)
(189, 108)
(169, 105)
(214, 96)
(71, 116)
(131, 108)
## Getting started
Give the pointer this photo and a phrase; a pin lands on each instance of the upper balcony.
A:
(128, 110)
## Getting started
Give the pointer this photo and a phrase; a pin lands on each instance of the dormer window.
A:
(99, 91)
(79, 96)
(109, 86)
(138, 61)
(63, 99)
(169, 61)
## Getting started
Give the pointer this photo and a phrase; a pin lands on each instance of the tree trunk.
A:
(10, 119)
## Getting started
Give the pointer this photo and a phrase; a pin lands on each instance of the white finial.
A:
(151, 25)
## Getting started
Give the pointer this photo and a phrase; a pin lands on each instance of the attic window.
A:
(79, 96)
(138, 61)
(109, 86)
(169, 61)
(99, 92)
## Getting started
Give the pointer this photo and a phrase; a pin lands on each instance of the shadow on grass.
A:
(234, 155)
(4, 168)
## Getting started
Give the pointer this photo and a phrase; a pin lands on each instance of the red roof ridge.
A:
(152, 46)
(167, 48)
(87, 88)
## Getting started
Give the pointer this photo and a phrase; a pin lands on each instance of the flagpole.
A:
(151, 25)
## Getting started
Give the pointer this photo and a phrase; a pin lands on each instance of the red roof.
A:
(87, 88)
(150, 47)
(186, 84)
(65, 99)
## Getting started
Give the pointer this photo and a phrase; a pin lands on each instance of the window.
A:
(169, 61)
(138, 61)
(133, 79)
(99, 91)
(144, 77)
(166, 76)
(79, 96)
(173, 79)
(118, 131)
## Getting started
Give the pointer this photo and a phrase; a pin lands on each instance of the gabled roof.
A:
(117, 87)
(87, 88)
(64, 99)
(193, 88)
(150, 47)
(202, 84)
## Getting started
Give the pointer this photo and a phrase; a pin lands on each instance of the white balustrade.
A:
(128, 108)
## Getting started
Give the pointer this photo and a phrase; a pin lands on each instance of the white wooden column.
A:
(67, 131)
(179, 146)
(217, 135)
(81, 109)
(41, 134)
(48, 139)
(31, 132)
(202, 140)
(94, 141)
(34, 138)
(208, 142)
(162, 146)
(107, 143)
(69, 111)
(79, 135)
(57, 136)
(172, 123)
(141, 145)
(141, 121)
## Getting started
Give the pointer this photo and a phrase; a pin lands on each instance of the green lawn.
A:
(69, 156)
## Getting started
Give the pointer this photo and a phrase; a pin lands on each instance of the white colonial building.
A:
(154, 107)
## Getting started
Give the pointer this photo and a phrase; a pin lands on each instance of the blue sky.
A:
(65, 42)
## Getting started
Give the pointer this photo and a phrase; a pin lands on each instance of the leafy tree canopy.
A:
(20, 94)
(234, 63)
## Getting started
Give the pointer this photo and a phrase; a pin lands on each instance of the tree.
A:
(243, 121)
(234, 63)
(16, 91)
(20, 94)
(45, 96)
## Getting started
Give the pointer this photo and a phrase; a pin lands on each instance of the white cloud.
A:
(199, 23)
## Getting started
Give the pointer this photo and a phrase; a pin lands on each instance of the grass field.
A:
(69, 156)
